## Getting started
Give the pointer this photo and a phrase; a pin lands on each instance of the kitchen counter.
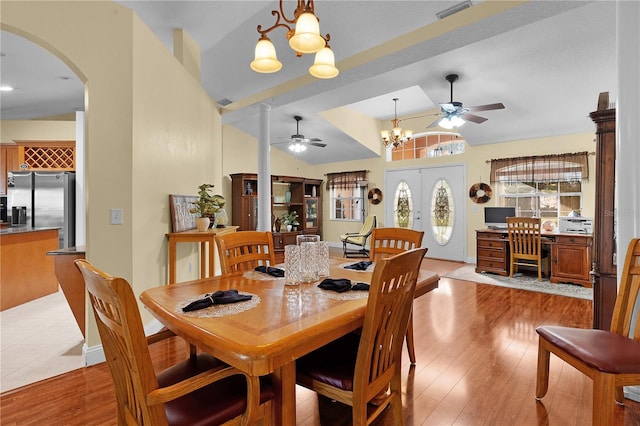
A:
(71, 281)
(23, 229)
(26, 273)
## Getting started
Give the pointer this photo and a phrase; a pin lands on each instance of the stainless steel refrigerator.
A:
(49, 198)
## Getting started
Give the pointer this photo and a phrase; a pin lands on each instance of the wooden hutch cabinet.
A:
(605, 284)
(288, 193)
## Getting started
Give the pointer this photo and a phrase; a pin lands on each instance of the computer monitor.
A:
(496, 217)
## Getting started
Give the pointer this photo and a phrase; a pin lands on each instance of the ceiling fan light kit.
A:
(297, 147)
(396, 136)
(455, 115)
(298, 143)
(305, 38)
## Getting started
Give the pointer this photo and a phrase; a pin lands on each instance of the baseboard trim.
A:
(95, 354)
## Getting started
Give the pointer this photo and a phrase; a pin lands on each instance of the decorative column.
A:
(264, 170)
(628, 135)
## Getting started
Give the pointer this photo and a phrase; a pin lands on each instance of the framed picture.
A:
(181, 218)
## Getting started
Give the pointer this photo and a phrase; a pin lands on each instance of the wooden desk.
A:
(205, 239)
(289, 322)
(570, 255)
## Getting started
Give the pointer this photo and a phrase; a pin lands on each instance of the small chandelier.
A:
(305, 38)
(395, 136)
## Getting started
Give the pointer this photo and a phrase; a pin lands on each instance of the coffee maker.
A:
(18, 215)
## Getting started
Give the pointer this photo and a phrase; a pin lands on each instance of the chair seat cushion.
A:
(213, 404)
(333, 364)
(600, 349)
(358, 240)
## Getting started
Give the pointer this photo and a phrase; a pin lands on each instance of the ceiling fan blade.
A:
(315, 140)
(487, 107)
(434, 124)
(321, 145)
(473, 118)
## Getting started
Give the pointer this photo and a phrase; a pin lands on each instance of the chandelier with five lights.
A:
(396, 136)
(304, 38)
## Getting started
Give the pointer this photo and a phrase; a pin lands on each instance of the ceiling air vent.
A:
(224, 102)
(454, 9)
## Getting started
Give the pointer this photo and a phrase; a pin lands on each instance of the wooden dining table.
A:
(279, 325)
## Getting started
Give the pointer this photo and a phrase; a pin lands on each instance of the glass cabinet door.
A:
(311, 212)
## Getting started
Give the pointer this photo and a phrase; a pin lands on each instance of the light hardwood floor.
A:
(476, 350)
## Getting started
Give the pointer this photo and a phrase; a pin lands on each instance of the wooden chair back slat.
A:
(125, 345)
(525, 242)
(244, 250)
(627, 299)
(386, 242)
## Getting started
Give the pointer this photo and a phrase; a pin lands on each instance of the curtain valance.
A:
(346, 179)
(541, 168)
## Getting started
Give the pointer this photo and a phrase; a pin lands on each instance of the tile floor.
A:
(38, 340)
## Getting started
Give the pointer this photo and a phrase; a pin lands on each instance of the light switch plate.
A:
(116, 216)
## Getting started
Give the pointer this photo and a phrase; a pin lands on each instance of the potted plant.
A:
(206, 206)
(290, 219)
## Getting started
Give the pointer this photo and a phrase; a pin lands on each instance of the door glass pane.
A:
(403, 202)
(442, 212)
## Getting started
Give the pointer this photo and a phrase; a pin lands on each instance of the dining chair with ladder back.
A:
(244, 251)
(199, 390)
(611, 358)
(386, 242)
(358, 239)
(363, 369)
(525, 244)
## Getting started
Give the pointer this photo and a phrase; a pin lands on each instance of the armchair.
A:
(358, 239)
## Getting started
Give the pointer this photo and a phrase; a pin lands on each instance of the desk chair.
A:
(525, 244)
(358, 239)
(610, 358)
(386, 242)
(244, 250)
(359, 369)
(198, 390)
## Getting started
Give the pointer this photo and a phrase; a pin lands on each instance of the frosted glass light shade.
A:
(451, 122)
(265, 60)
(307, 37)
(297, 147)
(324, 64)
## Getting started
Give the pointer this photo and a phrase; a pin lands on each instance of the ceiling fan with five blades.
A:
(454, 114)
(298, 142)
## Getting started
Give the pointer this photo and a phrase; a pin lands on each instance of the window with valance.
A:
(346, 192)
(545, 186)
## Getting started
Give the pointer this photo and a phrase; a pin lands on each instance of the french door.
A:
(429, 199)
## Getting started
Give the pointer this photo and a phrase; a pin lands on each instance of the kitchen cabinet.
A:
(8, 163)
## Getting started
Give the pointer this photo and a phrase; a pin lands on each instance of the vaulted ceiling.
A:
(545, 61)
